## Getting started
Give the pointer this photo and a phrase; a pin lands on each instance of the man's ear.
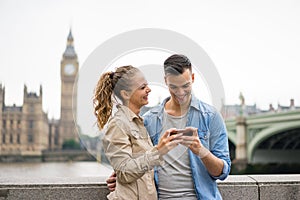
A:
(125, 95)
(165, 77)
(193, 77)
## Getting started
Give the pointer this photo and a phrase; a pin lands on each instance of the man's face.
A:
(180, 86)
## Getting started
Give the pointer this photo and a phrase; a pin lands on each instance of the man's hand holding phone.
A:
(191, 140)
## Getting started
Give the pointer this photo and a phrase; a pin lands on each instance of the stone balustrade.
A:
(252, 187)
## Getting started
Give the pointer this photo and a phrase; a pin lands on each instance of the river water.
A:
(53, 169)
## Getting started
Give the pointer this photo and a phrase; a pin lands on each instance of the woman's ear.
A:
(125, 95)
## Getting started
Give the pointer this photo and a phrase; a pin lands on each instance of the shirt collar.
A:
(194, 103)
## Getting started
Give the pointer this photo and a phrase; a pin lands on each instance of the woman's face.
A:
(139, 91)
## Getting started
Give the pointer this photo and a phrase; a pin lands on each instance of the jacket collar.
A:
(127, 112)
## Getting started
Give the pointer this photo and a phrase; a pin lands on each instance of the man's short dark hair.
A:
(177, 64)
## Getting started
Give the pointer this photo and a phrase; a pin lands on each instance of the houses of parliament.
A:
(26, 130)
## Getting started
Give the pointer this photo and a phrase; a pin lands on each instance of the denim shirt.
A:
(213, 135)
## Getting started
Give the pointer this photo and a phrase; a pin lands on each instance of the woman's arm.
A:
(127, 165)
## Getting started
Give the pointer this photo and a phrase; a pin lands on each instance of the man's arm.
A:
(213, 164)
(218, 144)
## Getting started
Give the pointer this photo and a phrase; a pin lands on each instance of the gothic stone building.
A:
(26, 129)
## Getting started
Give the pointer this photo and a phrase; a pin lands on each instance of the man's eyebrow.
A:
(188, 83)
(172, 84)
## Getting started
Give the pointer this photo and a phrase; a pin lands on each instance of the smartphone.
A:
(186, 132)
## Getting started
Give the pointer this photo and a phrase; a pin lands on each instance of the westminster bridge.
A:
(266, 137)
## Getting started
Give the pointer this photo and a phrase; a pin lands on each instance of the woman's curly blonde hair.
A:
(111, 83)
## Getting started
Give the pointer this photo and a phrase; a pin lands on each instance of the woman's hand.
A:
(168, 141)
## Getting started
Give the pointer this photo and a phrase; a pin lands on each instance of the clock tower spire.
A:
(70, 51)
(68, 111)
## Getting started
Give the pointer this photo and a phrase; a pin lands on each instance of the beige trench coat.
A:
(130, 151)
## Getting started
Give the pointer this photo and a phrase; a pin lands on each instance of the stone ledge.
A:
(234, 187)
(279, 187)
(52, 182)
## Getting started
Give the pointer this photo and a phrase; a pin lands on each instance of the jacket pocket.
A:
(135, 133)
(139, 144)
(204, 137)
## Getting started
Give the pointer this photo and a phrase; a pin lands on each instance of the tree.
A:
(71, 144)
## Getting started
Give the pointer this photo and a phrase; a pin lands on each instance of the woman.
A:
(126, 142)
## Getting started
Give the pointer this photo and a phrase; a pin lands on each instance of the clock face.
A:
(69, 69)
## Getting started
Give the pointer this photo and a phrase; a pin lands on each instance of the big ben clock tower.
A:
(68, 110)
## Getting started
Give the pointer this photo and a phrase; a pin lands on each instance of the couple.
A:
(186, 166)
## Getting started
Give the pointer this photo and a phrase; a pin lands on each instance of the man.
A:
(191, 169)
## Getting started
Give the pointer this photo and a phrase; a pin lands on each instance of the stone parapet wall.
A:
(262, 187)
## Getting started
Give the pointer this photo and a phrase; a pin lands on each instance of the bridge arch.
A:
(232, 137)
(232, 144)
(268, 132)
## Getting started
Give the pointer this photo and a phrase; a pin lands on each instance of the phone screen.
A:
(185, 132)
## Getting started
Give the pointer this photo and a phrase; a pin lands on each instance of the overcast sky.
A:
(255, 45)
